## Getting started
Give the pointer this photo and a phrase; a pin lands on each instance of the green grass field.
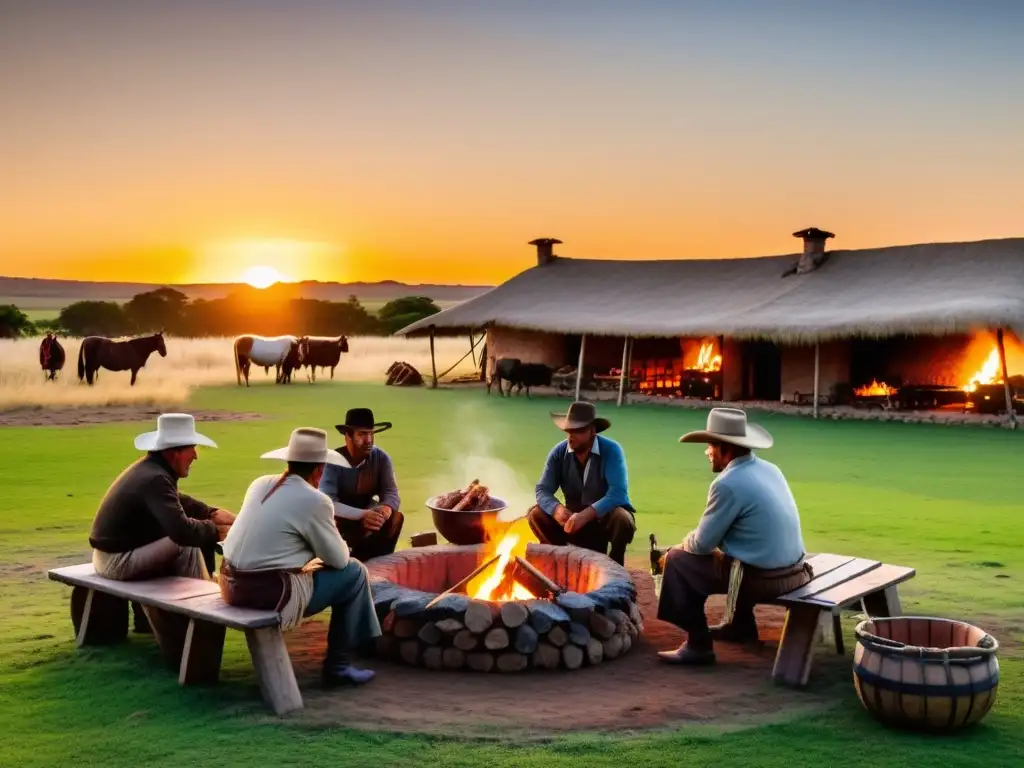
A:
(941, 499)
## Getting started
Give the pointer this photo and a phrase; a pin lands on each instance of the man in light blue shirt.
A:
(590, 470)
(751, 517)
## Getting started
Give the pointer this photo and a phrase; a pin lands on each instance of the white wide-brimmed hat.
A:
(173, 430)
(309, 445)
(729, 425)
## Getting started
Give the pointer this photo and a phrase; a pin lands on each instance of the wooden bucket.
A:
(925, 673)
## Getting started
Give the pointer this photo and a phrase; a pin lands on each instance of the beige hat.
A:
(309, 445)
(729, 425)
(173, 430)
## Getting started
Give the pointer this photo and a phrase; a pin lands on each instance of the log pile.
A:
(402, 374)
(448, 630)
(473, 498)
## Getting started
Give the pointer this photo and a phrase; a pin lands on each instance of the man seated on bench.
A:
(750, 531)
(285, 553)
(145, 526)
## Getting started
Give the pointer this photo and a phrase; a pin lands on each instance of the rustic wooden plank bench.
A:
(840, 582)
(189, 619)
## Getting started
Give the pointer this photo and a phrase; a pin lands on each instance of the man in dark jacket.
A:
(363, 489)
(145, 527)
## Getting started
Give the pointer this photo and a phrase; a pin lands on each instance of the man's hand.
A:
(222, 532)
(580, 519)
(385, 510)
(222, 518)
(373, 519)
(561, 515)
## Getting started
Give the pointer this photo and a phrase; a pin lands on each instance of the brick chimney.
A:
(814, 249)
(545, 252)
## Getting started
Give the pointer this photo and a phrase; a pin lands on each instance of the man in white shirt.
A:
(284, 553)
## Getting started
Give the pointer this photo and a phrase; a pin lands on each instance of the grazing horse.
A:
(51, 356)
(100, 352)
(320, 352)
(282, 352)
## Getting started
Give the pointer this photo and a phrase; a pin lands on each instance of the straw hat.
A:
(173, 430)
(729, 425)
(309, 445)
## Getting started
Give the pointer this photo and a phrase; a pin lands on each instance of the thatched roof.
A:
(935, 288)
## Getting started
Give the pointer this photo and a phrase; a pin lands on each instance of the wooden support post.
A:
(202, 653)
(433, 363)
(1010, 412)
(274, 669)
(625, 368)
(472, 348)
(579, 365)
(817, 374)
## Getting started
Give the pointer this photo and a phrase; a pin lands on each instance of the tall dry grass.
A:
(192, 363)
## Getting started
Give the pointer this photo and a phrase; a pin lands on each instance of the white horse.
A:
(282, 352)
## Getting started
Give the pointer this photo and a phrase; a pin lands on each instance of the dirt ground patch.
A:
(635, 691)
(69, 416)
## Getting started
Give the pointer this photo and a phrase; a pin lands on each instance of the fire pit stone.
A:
(595, 618)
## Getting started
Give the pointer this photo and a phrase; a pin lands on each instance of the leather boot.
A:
(685, 655)
(338, 670)
(742, 629)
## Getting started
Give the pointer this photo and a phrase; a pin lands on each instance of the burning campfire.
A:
(707, 361)
(696, 373)
(987, 374)
(508, 604)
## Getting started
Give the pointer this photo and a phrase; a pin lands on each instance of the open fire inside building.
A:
(921, 327)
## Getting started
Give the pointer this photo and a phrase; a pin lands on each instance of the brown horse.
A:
(51, 356)
(99, 352)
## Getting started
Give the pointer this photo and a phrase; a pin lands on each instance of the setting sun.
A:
(262, 277)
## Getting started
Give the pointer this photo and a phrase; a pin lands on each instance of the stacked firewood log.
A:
(507, 637)
(473, 498)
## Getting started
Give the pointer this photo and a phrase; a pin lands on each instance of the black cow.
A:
(520, 374)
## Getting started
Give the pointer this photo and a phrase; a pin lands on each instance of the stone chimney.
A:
(814, 249)
(545, 249)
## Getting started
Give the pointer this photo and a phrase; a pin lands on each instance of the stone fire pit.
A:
(594, 617)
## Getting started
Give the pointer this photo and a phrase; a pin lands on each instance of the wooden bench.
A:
(189, 619)
(840, 582)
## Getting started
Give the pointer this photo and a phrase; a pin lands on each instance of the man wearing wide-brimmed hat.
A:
(285, 553)
(590, 470)
(145, 527)
(363, 488)
(748, 544)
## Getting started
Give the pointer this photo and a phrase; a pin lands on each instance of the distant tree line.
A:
(272, 311)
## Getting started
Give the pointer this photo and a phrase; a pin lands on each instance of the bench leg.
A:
(883, 603)
(274, 669)
(202, 652)
(98, 618)
(796, 648)
(837, 630)
(169, 630)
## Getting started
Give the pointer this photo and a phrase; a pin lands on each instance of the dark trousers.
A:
(365, 545)
(688, 580)
(615, 529)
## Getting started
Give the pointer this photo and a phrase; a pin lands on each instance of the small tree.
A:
(94, 318)
(398, 313)
(14, 323)
(154, 310)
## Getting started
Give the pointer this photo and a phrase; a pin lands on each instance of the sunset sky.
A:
(429, 140)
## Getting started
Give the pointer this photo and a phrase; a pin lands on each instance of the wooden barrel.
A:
(925, 673)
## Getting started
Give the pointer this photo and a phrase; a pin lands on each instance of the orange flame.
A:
(875, 388)
(706, 361)
(986, 374)
(507, 540)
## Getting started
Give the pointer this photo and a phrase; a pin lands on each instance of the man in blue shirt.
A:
(590, 470)
(750, 530)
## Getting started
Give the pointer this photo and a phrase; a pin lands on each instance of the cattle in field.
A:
(281, 352)
(51, 356)
(320, 352)
(519, 374)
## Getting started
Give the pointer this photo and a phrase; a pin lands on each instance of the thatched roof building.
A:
(817, 295)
